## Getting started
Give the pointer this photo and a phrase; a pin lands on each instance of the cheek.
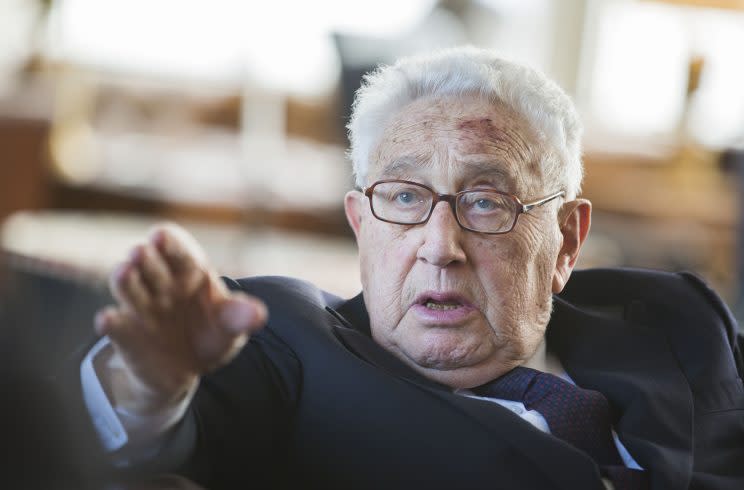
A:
(387, 255)
(540, 250)
(516, 273)
(535, 246)
(501, 262)
(386, 247)
(502, 271)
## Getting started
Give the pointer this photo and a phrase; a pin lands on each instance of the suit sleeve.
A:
(719, 406)
(235, 433)
(734, 335)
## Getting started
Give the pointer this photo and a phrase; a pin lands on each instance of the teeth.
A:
(441, 306)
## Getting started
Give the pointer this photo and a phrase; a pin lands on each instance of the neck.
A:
(545, 361)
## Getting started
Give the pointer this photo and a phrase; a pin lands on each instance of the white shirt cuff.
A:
(116, 427)
(110, 430)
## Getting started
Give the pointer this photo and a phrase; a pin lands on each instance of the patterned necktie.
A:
(580, 417)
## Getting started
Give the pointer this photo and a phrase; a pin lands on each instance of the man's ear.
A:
(353, 202)
(575, 218)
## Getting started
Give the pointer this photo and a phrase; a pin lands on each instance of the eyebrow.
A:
(403, 166)
(472, 169)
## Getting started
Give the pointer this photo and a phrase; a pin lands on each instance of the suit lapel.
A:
(634, 368)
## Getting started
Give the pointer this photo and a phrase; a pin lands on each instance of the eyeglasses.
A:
(480, 210)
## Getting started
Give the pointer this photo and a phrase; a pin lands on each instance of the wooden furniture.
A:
(673, 211)
(24, 172)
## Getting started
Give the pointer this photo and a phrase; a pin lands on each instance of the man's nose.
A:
(442, 236)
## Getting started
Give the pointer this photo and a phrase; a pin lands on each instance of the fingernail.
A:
(240, 316)
(135, 254)
(260, 311)
(237, 314)
(158, 239)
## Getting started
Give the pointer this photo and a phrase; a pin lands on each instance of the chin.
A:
(448, 353)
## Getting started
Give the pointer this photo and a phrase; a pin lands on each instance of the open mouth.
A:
(432, 300)
(443, 306)
(446, 309)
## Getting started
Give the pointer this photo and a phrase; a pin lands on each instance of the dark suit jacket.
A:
(312, 401)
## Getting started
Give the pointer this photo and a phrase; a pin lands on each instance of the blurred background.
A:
(228, 117)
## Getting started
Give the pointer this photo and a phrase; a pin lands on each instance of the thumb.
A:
(242, 314)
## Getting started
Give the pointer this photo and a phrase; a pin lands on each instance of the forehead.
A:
(460, 140)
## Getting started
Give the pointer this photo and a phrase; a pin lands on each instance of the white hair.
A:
(471, 71)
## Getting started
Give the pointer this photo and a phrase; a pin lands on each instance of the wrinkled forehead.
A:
(458, 142)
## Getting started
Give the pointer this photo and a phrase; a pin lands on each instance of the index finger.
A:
(184, 257)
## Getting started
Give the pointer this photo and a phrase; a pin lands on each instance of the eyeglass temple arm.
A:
(529, 206)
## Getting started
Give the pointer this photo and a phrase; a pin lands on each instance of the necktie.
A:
(578, 416)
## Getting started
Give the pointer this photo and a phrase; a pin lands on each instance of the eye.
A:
(400, 195)
(485, 204)
(405, 197)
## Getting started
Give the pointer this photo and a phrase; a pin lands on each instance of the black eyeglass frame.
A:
(452, 199)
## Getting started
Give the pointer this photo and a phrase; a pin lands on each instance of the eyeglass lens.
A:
(408, 203)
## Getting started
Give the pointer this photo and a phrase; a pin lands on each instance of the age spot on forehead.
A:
(482, 124)
(483, 135)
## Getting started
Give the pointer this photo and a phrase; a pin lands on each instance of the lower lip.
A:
(443, 317)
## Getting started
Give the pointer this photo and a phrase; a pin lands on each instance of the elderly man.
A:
(456, 367)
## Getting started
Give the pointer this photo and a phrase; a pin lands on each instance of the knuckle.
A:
(193, 281)
(182, 256)
(164, 303)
